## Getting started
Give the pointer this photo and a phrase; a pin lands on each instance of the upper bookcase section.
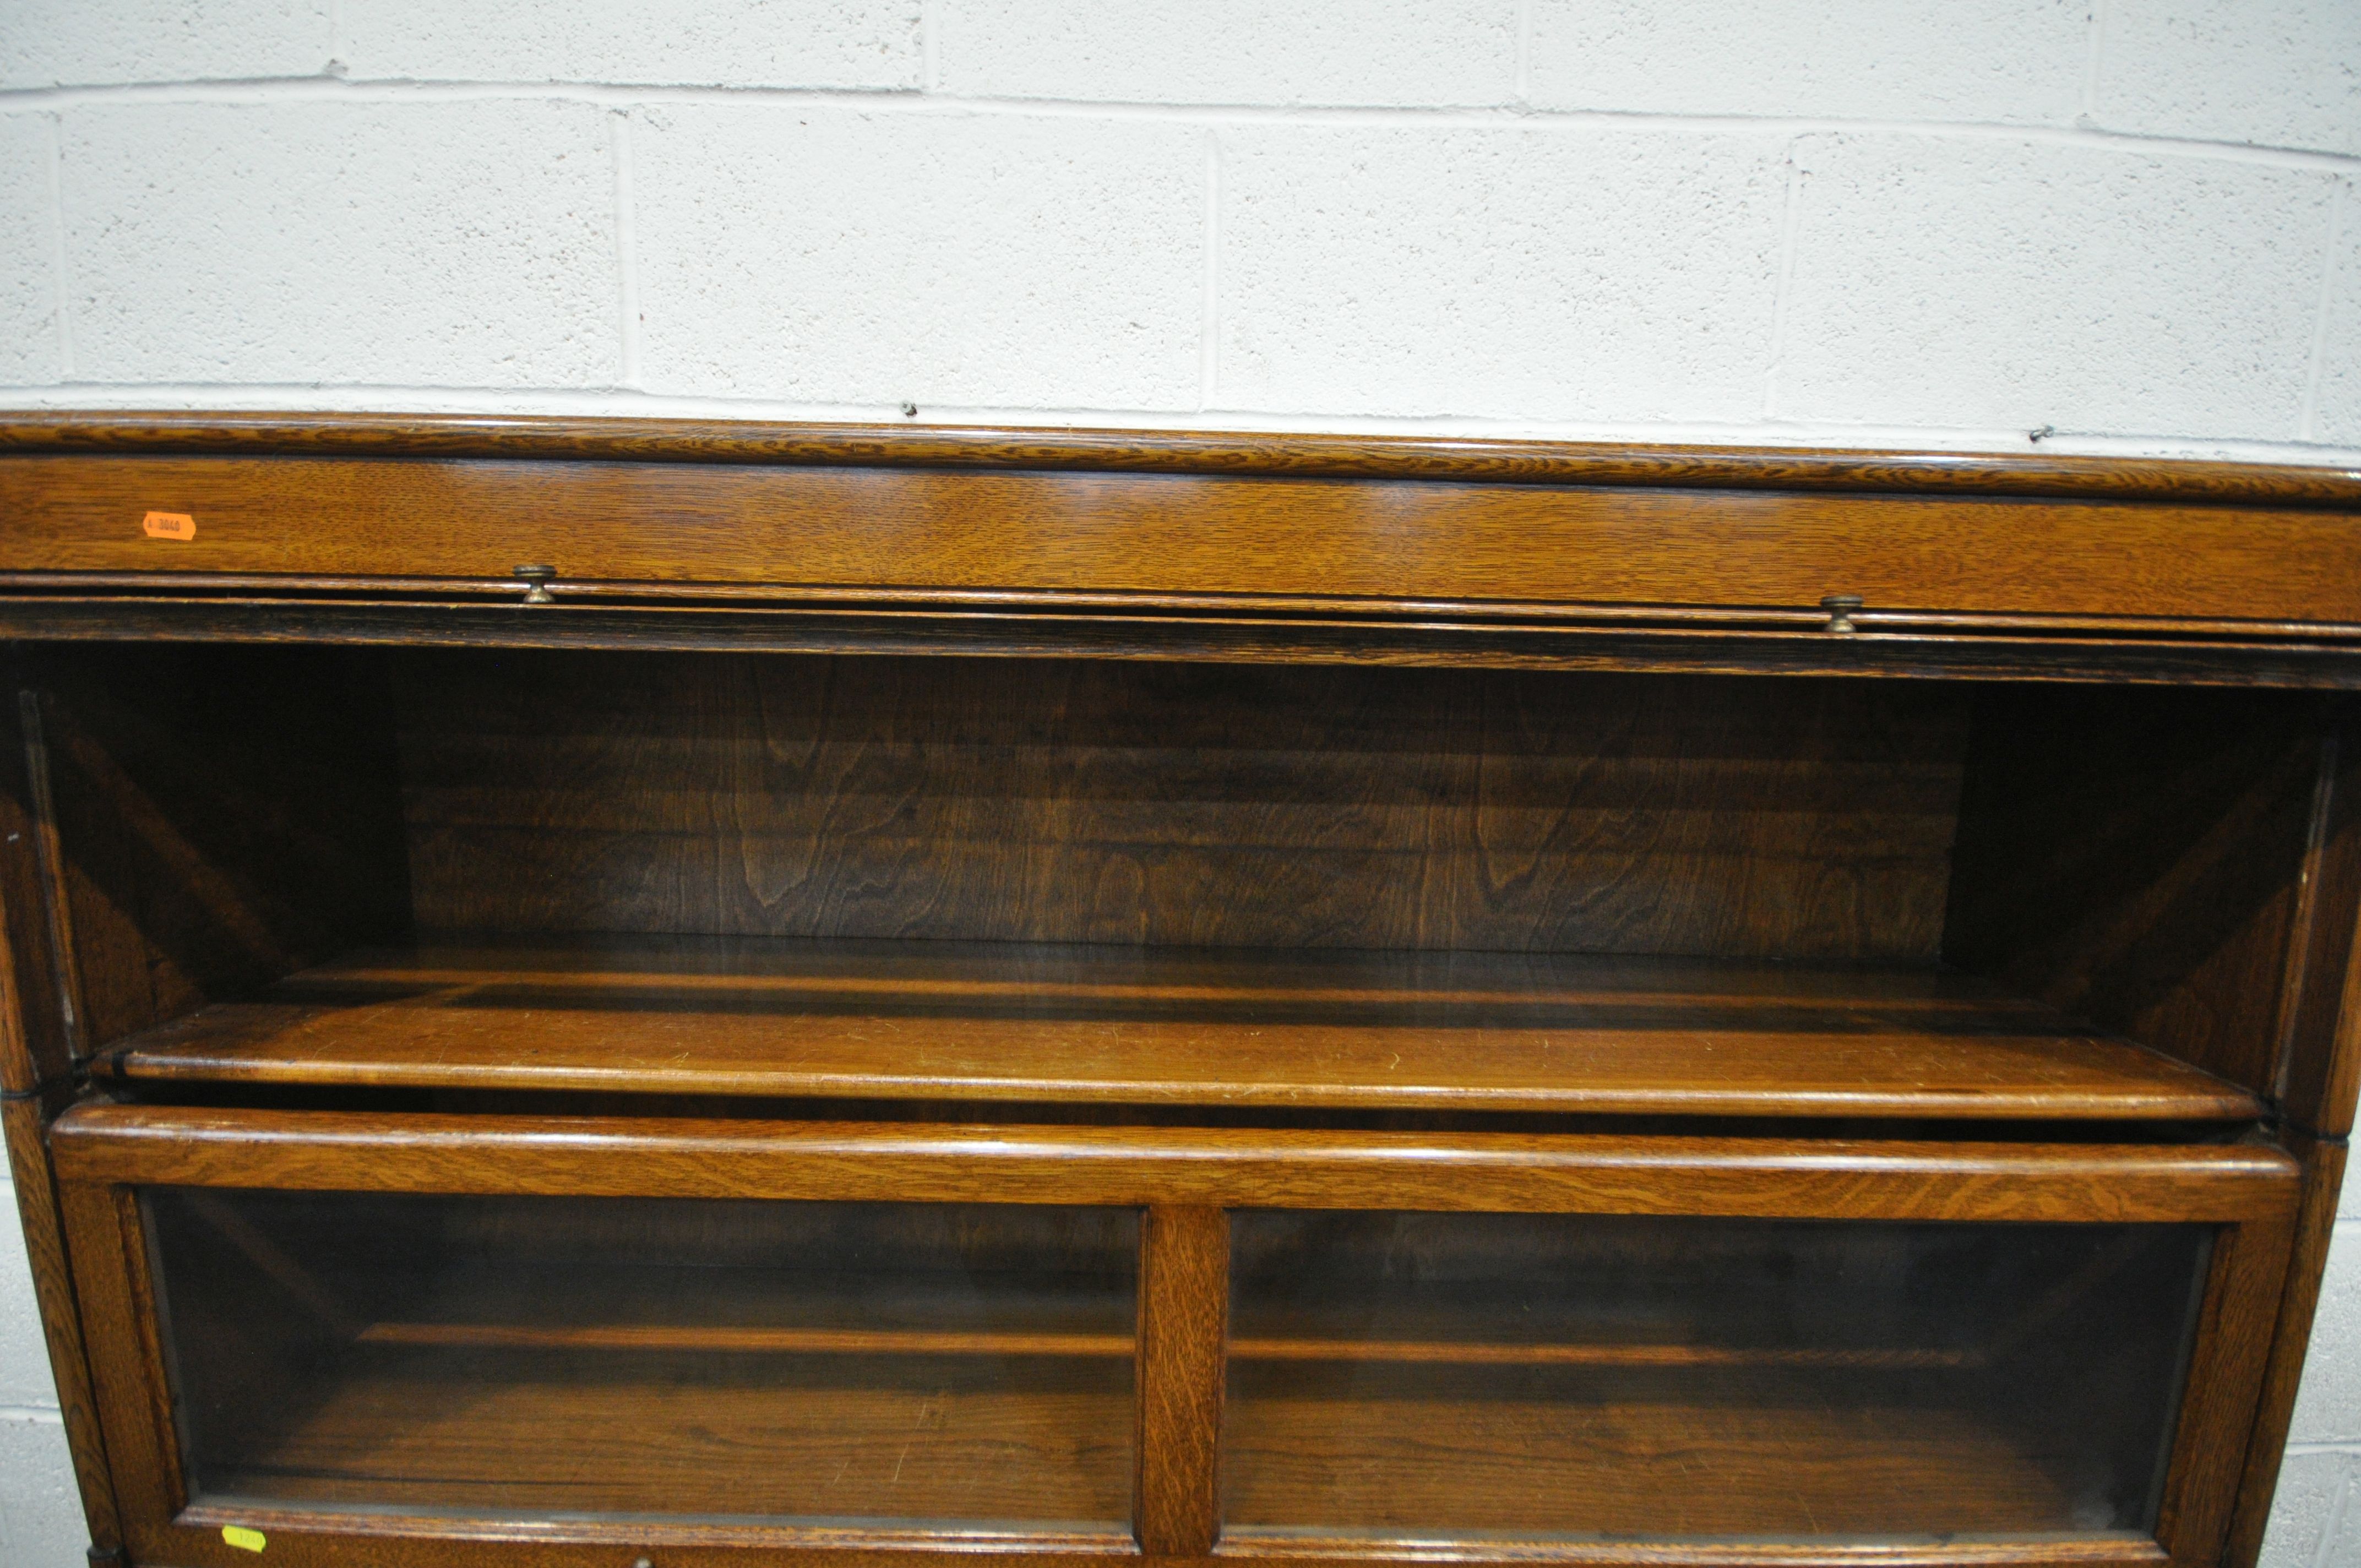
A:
(534, 532)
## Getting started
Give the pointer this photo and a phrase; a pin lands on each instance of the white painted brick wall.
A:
(1375, 52)
(24, 1383)
(469, 242)
(1507, 272)
(1944, 221)
(822, 255)
(1865, 222)
(2334, 412)
(28, 247)
(40, 1514)
(50, 43)
(2016, 284)
(2268, 72)
(727, 43)
(1994, 61)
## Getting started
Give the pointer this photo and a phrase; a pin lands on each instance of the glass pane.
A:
(1441, 1377)
(864, 1365)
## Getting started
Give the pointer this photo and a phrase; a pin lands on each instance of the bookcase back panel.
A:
(1106, 802)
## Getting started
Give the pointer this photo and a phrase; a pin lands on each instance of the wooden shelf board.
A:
(1015, 1022)
(784, 1311)
(885, 1443)
(894, 1441)
(770, 1340)
(891, 1442)
(1765, 1457)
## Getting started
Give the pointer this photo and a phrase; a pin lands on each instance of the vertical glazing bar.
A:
(1184, 1311)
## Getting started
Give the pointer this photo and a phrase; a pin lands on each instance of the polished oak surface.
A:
(1163, 545)
(98, 1145)
(1017, 1021)
(656, 1441)
(864, 531)
(1508, 461)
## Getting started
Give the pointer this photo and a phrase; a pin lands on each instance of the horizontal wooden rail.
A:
(1510, 461)
(668, 1337)
(1140, 1165)
(528, 532)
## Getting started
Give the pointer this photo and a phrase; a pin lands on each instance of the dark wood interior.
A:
(1178, 804)
(1177, 884)
(1034, 881)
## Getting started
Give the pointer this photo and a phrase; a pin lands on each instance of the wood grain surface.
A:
(1084, 801)
(39, 1028)
(2319, 1014)
(1185, 1298)
(225, 816)
(917, 1442)
(2137, 858)
(1138, 1165)
(547, 436)
(2235, 1323)
(1760, 1457)
(1885, 645)
(1398, 541)
(1111, 1026)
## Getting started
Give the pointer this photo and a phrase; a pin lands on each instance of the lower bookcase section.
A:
(569, 1340)
(1439, 1378)
(948, 1367)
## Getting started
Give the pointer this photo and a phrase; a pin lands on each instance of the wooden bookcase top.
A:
(419, 529)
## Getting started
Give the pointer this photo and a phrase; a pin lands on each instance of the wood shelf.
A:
(754, 1311)
(1102, 1346)
(1622, 1455)
(1034, 1023)
(921, 1444)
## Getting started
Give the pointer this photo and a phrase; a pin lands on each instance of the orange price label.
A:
(169, 525)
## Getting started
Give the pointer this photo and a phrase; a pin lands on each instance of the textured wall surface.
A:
(2124, 222)
(2129, 225)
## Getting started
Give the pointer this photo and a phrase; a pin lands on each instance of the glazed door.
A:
(1417, 1377)
(355, 1337)
(930, 1368)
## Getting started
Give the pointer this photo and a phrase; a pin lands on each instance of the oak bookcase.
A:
(596, 993)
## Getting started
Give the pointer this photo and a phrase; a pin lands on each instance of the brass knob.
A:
(537, 580)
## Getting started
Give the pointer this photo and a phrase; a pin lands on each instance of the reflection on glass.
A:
(820, 1363)
(1440, 1377)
